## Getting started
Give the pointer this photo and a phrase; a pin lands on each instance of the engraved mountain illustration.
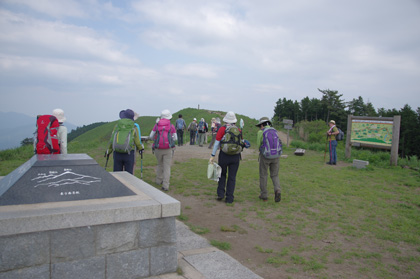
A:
(65, 178)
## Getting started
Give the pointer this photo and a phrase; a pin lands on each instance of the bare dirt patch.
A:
(215, 215)
(272, 255)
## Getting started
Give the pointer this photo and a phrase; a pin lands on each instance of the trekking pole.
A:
(107, 158)
(141, 165)
(325, 152)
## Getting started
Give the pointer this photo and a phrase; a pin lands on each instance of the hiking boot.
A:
(328, 163)
(164, 189)
(219, 198)
(277, 197)
(263, 199)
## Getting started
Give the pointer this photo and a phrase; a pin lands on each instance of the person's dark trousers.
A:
(180, 134)
(229, 165)
(192, 137)
(124, 161)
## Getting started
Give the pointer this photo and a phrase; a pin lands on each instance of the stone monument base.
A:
(122, 237)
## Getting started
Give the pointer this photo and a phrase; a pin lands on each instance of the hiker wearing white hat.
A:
(164, 137)
(62, 130)
(229, 139)
(332, 142)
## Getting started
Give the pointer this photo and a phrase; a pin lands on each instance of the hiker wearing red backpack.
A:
(164, 137)
(125, 139)
(229, 139)
(270, 148)
(51, 135)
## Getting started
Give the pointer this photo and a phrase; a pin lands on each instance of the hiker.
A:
(136, 116)
(215, 126)
(193, 130)
(228, 140)
(180, 128)
(202, 130)
(62, 130)
(122, 148)
(332, 143)
(164, 137)
(269, 158)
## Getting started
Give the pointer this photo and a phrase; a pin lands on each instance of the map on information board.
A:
(372, 132)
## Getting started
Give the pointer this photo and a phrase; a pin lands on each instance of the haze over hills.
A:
(16, 127)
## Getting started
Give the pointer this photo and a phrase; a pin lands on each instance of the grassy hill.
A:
(332, 222)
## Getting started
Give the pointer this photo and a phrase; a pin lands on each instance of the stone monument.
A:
(64, 216)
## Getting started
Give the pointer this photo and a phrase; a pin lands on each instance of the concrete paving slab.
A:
(219, 265)
(199, 260)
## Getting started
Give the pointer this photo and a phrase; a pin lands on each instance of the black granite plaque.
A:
(61, 177)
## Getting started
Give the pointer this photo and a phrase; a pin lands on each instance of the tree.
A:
(333, 106)
(357, 107)
(27, 141)
(409, 132)
(305, 104)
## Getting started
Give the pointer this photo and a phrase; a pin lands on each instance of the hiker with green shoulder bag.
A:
(230, 144)
(125, 140)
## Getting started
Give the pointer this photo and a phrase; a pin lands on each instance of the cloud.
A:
(223, 55)
(65, 8)
(32, 37)
(193, 70)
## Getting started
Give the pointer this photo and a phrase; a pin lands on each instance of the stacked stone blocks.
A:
(133, 246)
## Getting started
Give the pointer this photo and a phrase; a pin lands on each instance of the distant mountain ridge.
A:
(15, 127)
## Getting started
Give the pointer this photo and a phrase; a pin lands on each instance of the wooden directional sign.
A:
(288, 121)
(288, 127)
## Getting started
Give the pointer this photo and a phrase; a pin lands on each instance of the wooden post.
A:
(395, 139)
(348, 137)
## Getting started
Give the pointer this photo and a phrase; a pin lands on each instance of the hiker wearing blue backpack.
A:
(332, 142)
(202, 130)
(164, 137)
(181, 126)
(270, 147)
(124, 140)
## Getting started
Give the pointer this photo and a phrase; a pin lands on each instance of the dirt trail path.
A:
(212, 214)
(186, 152)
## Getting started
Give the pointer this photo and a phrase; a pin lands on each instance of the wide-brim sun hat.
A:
(165, 114)
(59, 114)
(128, 113)
(230, 117)
(263, 120)
(332, 121)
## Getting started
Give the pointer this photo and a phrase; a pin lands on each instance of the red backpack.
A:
(46, 135)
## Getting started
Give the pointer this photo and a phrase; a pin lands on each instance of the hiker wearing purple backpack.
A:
(270, 149)
(164, 137)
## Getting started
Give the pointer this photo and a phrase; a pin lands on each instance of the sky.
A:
(94, 58)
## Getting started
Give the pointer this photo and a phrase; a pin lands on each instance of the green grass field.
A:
(372, 215)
